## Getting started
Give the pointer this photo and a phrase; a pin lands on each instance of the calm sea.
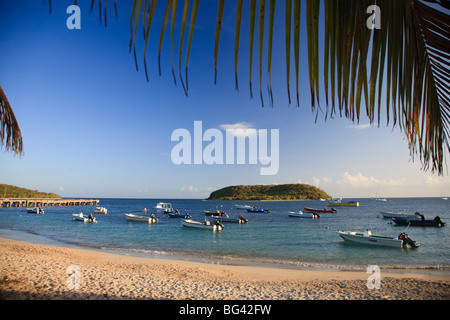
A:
(273, 238)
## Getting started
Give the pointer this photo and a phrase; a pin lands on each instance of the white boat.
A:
(373, 239)
(83, 218)
(242, 206)
(301, 214)
(206, 225)
(336, 200)
(402, 215)
(136, 218)
(164, 207)
(101, 210)
(35, 210)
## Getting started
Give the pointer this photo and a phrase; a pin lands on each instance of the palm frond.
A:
(404, 78)
(9, 128)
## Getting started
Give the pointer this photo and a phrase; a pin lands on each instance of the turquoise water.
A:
(266, 238)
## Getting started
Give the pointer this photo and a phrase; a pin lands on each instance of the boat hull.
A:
(178, 216)
(136, 218)
(101, 210)
(309, 215)
(200, 225)
(401, 215)
(82, 218)
(239, 220)
(420, 223)
(35, 211)
(320, 210)
(215, 213)
(343, 204)
(376, 240)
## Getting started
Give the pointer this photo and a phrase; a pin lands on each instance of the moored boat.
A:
(179, 215)
(343, 204)
(324, 210)
(216, 213)
(400, 214)
(137, 218)
(301, 214)
(206, 225)
(164, 207)
(35, 210)
(379, 240)
(101, 210)
(242, 207)
(436, 222)
(239, 220)
(258, 210)
(83, 218)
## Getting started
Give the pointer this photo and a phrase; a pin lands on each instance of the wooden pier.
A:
(9, 202)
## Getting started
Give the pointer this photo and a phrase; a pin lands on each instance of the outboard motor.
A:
(242, 219)
(217, 223)
(408, 241)
(438, 220)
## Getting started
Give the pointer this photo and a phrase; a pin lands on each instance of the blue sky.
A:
(93, 127)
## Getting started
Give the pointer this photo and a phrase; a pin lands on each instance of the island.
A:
(270, 192)
(9, 191)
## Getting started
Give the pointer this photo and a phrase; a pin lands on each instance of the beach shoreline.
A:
(34, 271)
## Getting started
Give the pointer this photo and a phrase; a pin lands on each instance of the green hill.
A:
(8, 191)
(270, 192)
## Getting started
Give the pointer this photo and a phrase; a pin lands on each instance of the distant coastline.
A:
(9, 191)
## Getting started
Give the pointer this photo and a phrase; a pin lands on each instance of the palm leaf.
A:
(269, 54)
(217, 40)
(183, 27)
(262, 9)
(191, 33)
(163, 29)
(9, 128)
(240, 4)
(288, 26)
(252, 32)
(297, 11)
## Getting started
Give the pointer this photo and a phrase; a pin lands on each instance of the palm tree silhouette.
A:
(407, 56)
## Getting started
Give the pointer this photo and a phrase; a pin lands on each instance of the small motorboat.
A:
(239, 220)
(339, 203)
(436, 222)
(35, 210)
(206, 225)
(367, 237)
(136, 218)
(400, 214)
(258, 210)
(164, 207)
(301, 214)
(216, 213)
(101, 210)
(83, 218)
(324, 210)
(179, 215)
(242, 207)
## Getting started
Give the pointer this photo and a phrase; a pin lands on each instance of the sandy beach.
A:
(29, 271)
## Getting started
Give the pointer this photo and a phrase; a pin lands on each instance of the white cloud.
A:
(360, 126)
(240, 128)
(362, 181)
(189, 189)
